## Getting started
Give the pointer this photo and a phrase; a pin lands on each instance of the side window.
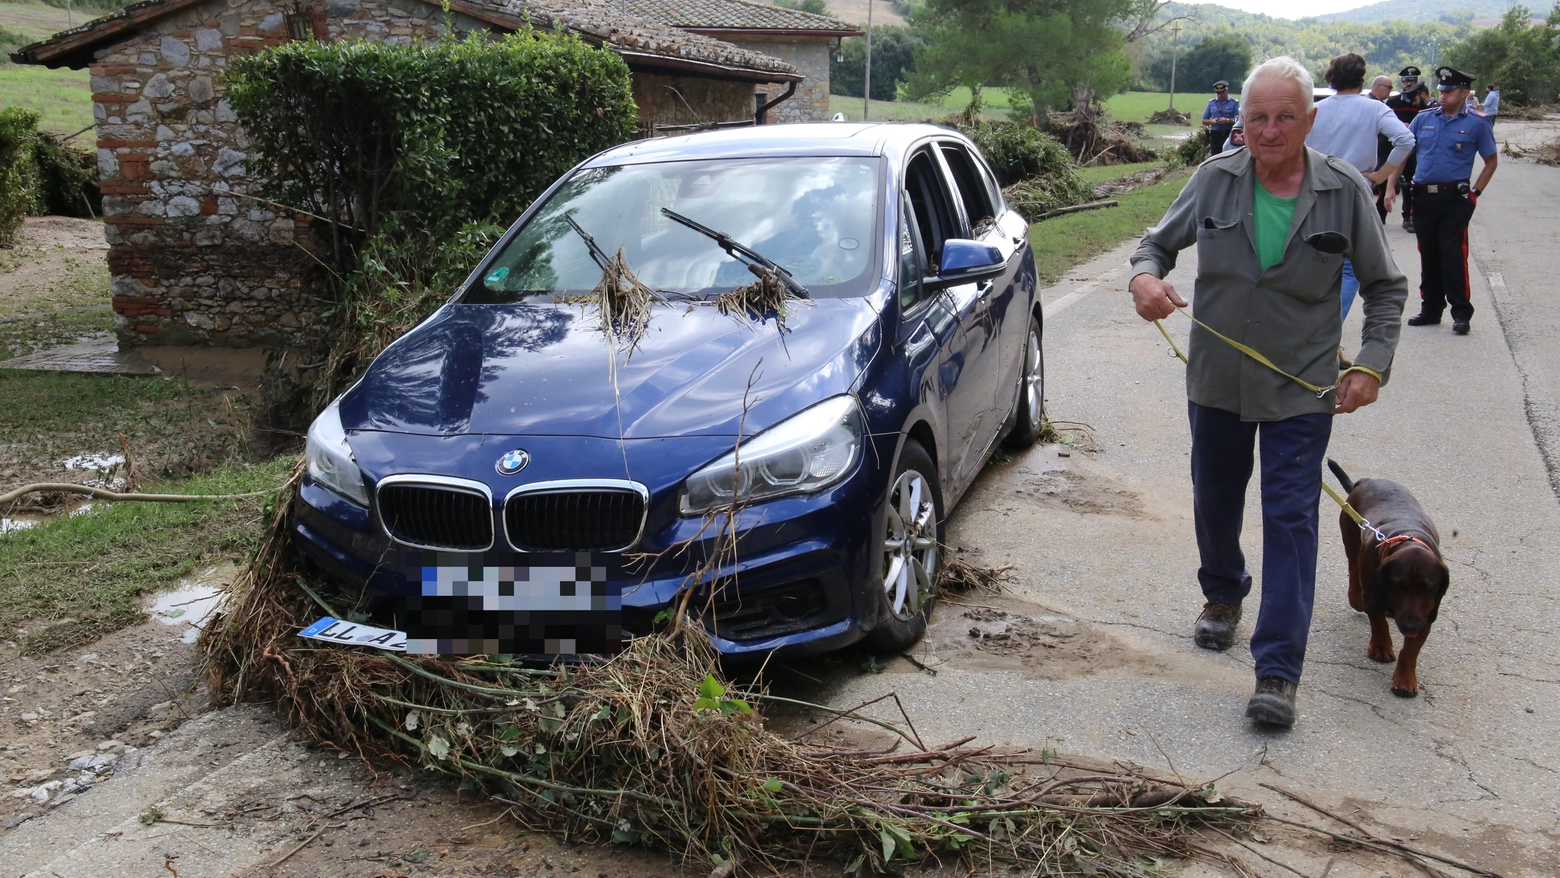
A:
(935, 218)
(980, 207)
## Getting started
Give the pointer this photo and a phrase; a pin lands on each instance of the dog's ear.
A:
(1441, 587)
(1380, 586)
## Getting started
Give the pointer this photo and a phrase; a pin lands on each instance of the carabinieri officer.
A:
(1447, 138)
(1219, 117)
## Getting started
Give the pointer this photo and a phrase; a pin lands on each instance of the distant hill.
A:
(1426, 10)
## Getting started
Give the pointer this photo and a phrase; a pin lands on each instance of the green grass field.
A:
(1065, 241)
(1137, 106)
(63, 98)
(1097, 174)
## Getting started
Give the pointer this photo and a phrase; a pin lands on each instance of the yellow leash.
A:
(1248, 351)
(1319, 391)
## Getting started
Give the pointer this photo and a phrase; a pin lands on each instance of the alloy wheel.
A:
(1034, 382)
(910, 546)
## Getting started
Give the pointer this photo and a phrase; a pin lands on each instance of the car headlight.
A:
(804, 453)
(330, 458)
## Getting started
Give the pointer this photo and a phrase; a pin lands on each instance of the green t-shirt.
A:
(1274, 216)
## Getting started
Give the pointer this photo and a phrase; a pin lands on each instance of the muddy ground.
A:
(53, 285)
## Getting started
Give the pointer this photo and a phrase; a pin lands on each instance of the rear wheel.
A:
(910, 549)
(1029, 418)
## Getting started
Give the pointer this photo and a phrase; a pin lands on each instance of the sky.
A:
(1292, 9)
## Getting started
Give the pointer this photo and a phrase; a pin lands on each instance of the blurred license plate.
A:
(567, 603)
(352, 634)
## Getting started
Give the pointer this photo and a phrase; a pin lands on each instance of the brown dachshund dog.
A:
(1394, 571)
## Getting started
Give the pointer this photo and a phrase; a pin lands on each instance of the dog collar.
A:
(1387, 545)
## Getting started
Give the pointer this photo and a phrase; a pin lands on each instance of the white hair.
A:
(1283, 67)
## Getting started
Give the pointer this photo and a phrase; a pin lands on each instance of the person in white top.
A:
(1346, 126)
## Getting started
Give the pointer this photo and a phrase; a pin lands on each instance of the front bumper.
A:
(800, 583)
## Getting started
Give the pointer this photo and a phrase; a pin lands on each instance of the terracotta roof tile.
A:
(603, 20)
(734, 15)
(644, 41)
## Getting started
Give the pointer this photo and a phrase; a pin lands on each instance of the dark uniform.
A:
(1405, 105)
(1444, 202)
(1221, 107)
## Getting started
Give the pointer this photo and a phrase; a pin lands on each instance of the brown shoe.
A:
(1216, 626)
(1273, 704)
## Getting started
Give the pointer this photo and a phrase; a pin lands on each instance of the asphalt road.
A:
(1091, 652)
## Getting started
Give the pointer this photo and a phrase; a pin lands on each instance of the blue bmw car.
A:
(843, 426)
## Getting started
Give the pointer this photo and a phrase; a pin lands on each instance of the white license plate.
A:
(353, 634)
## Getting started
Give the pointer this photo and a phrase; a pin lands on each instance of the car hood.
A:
(548, 369)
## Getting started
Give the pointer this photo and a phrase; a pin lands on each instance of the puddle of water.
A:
(7, 525)
(193, 602)
(101, 462)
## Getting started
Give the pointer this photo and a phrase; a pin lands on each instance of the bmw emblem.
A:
(513, 462)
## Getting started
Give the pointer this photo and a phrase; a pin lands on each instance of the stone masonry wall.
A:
(193, 260)
(810, 57)
(686, 100)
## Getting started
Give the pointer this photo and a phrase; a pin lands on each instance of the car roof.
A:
(795, 139)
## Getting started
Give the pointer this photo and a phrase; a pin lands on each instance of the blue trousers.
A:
(1350, 288)
(1292, 452)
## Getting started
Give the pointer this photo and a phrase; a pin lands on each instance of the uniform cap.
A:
(1448, 78)
(1409, 72)
(1223, 83)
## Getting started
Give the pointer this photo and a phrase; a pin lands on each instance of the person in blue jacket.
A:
(1220, 116)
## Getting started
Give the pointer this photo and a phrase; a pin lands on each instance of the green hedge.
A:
(416, 156)
(19, 182)
(431, 135)
(40, 174)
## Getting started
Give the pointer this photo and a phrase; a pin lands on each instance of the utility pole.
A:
(1174, 43)
(866, 86)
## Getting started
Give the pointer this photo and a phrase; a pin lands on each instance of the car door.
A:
(1005, 300)
(966, 381)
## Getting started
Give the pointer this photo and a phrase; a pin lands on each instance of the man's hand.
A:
(1155, 299)
(1355, 391)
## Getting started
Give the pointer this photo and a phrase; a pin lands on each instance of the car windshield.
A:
(815, 217)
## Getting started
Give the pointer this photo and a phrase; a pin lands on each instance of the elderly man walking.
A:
(1272, 225)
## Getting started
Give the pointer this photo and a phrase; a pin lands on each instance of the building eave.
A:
(723, 32)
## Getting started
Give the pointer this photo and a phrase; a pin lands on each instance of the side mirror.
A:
(965, 261)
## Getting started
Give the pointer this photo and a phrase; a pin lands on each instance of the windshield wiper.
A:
(601, 257)
(596, 252)
(736, 250)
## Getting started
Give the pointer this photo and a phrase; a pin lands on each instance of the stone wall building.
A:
(801, 39)
(194, 258)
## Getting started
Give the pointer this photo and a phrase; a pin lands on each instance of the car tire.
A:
(1029, 413)
(909, 552)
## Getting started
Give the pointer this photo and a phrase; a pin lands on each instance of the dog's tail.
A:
(1343, 477)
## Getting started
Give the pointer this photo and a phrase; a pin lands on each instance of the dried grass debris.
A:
(1169, 117)
(766, 296)
(651, 746)
(962, 575)
(623, 302)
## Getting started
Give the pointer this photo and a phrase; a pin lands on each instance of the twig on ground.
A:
(303, 844)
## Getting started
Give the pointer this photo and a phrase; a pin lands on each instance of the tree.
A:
(1227, 56)
(1522, 58)
(1040, 50)
(893, 60)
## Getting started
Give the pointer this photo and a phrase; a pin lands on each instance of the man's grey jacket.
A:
(1289, 313)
